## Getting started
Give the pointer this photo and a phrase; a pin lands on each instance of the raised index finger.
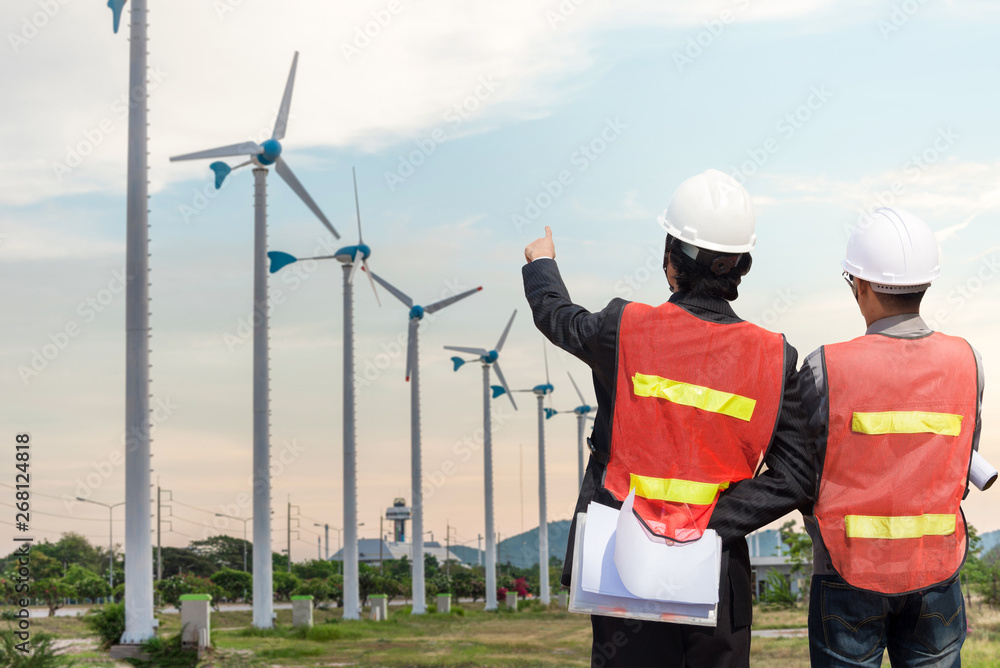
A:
(548, 232)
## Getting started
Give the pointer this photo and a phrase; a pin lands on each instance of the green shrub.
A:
(108, 622)
(778, 591)
(42, 655)
(166, 653)
(171, 589)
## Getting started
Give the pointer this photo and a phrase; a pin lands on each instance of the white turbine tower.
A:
(417, 313)
(351, 257)
(489, 359)
(138, 505)
(262, 156)
(582, 415)
(541, 391)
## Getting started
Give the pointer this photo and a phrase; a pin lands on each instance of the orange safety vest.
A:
(696, 404)
(902, 417)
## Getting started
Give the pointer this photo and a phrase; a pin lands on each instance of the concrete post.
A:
(512, 600)
(380, 607)
(444, 603)
(196, 611)
(302, 611)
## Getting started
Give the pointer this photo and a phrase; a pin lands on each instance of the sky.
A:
(471, 126)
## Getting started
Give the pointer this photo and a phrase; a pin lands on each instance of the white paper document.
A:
(620, 570)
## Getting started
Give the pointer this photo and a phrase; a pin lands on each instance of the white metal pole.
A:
(326, 531)
(111, 551)
(416, 475)
(263, 608)
(581, 423)
(138, 509)
(543, 524)
(352, 600)
(491, 545)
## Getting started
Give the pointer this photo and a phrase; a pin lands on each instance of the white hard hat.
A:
(894, 251)
(711, 211)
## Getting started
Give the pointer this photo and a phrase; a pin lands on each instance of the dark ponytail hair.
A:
(696, 278)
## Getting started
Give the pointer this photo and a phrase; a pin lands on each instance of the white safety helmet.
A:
(894, 251)
(712, 211)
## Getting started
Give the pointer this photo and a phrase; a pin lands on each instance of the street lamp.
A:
(111, 544)
(240, 519)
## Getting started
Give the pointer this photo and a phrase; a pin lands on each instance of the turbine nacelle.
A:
(270, 154)
(417, 312)
(490, 357)
(543, 389)
(347, 254)
(582, 410)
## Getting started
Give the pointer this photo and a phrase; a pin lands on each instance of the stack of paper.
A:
(621, 570)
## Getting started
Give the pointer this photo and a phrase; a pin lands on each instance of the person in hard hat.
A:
(690, 399)
(895, 416)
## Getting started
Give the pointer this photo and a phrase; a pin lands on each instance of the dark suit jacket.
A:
(593, 338)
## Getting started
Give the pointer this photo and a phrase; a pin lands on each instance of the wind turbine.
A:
(541, 391)
(262, 156)
(582, 415)
(138, 505)
(351, 257)
(489, 359)
(417, 313)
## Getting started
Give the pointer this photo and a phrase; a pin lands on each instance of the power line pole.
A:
(447, 550)
(289, 526)
(319, 548)
(159, 525)
(479, 549)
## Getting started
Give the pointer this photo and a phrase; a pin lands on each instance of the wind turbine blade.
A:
(281, 124)
(280, 260)
(369, 272)
(116, 9)
(469, 351)
(357, 205)
(396, 292)
(411, 348)
(244, 148)
(437, 306)
(583, 402)
(285, 172)
(354, 267)
(503, 337)
(503, 382)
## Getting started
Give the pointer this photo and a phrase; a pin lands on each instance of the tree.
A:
(314, 568)
(44, 567)
(235, 585)
(317, 588)
(183, 560)
(797, 546)
(224, 551)
(53, 591)
(284, 584)
(171, 589)
(93, 588)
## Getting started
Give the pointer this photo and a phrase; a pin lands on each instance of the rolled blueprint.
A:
(981, 473)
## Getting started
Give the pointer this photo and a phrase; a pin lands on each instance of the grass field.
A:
(533, 636)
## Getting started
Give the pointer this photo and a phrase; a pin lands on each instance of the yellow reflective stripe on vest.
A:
(869, 526)
(675, 490)
(696, 396)
(907, 422)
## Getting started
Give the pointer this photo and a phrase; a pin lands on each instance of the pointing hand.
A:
(542, 247)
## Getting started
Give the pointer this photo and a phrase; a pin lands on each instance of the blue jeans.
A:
(852, 627)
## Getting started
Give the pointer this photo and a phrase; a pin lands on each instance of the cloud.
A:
(370, 75)
(944, 191)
